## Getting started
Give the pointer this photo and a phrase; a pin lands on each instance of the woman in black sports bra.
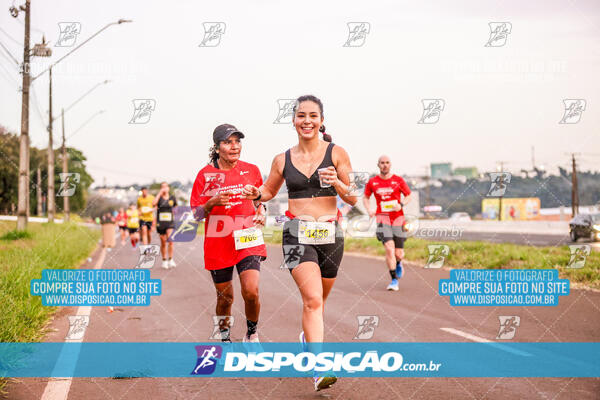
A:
(313, 240)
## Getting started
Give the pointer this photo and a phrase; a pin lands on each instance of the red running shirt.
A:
(121, 219)
(387, 190)
(219, 245)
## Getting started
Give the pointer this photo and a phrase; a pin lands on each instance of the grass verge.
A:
(23, 317)
(483, 255)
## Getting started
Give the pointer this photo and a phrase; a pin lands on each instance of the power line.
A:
(9, 79)
(10, 37)
(9, 53)
(37, 107)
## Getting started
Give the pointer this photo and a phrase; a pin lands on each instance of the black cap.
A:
(222, 132)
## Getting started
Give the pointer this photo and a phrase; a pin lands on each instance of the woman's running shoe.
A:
(302, 340)
(251, 339)
(324, 382)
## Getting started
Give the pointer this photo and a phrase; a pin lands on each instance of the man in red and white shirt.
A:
(388, 189)
(231, 238)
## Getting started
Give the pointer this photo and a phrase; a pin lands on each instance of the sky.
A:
(499, 100)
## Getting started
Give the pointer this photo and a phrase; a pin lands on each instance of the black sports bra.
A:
(300, 186)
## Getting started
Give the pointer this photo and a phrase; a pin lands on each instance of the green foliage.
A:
(16, 235)
(9, 172)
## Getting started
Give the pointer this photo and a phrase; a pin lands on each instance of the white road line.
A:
(478, 339)
(58, 388)
(466, 335)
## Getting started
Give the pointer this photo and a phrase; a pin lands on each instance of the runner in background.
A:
(144, 205)
(133, 224)
(388, 189)
(121, 220)
(315, 171)
(231, 237)
(165, 224)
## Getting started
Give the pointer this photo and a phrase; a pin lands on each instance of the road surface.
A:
(183, 313)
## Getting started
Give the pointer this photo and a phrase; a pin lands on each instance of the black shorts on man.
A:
(387, 232)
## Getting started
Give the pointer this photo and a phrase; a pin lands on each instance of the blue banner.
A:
(289, 360)
(95, 287)
(504, 287)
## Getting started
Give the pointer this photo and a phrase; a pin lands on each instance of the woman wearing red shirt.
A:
(231, 237)
(121, 220)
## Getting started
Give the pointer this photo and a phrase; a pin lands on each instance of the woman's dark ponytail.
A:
(326, 137)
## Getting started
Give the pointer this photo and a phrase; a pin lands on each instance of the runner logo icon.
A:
(77, 325)
(358, 181)
(148, 255)
(432, 109)
(499, 32)
(579, 253)
(437, 255)
(291, 255)
(366, 326)
(207, 359)
(142, 110)
(499, 183)
(285, 112)
(508, 326)
(212, 34)
(357, 33)
(68, 184)
(68, 33)
(573, 110)
(186, 225)
(222, 326)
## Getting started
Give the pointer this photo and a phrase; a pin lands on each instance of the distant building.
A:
(441, 170)
(467, 172)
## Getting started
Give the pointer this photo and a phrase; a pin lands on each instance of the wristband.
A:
(259, 196)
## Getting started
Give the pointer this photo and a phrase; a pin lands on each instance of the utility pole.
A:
(51, 199)
(501, 183)
(39, 192)
(65, 169)
(23, 202)
(574, 188)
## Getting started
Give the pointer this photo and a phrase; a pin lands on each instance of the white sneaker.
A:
(393, 285)
(172, 263)
(165, 264)
(324, 382)
(251, 339)
(302, 339)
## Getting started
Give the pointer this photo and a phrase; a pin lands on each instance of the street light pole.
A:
(22, 211)
(51, 200)
(65, 169)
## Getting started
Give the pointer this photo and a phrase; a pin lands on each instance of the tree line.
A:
(552, 190)
(9, 173)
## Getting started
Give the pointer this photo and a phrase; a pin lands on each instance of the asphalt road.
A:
(183, 313)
